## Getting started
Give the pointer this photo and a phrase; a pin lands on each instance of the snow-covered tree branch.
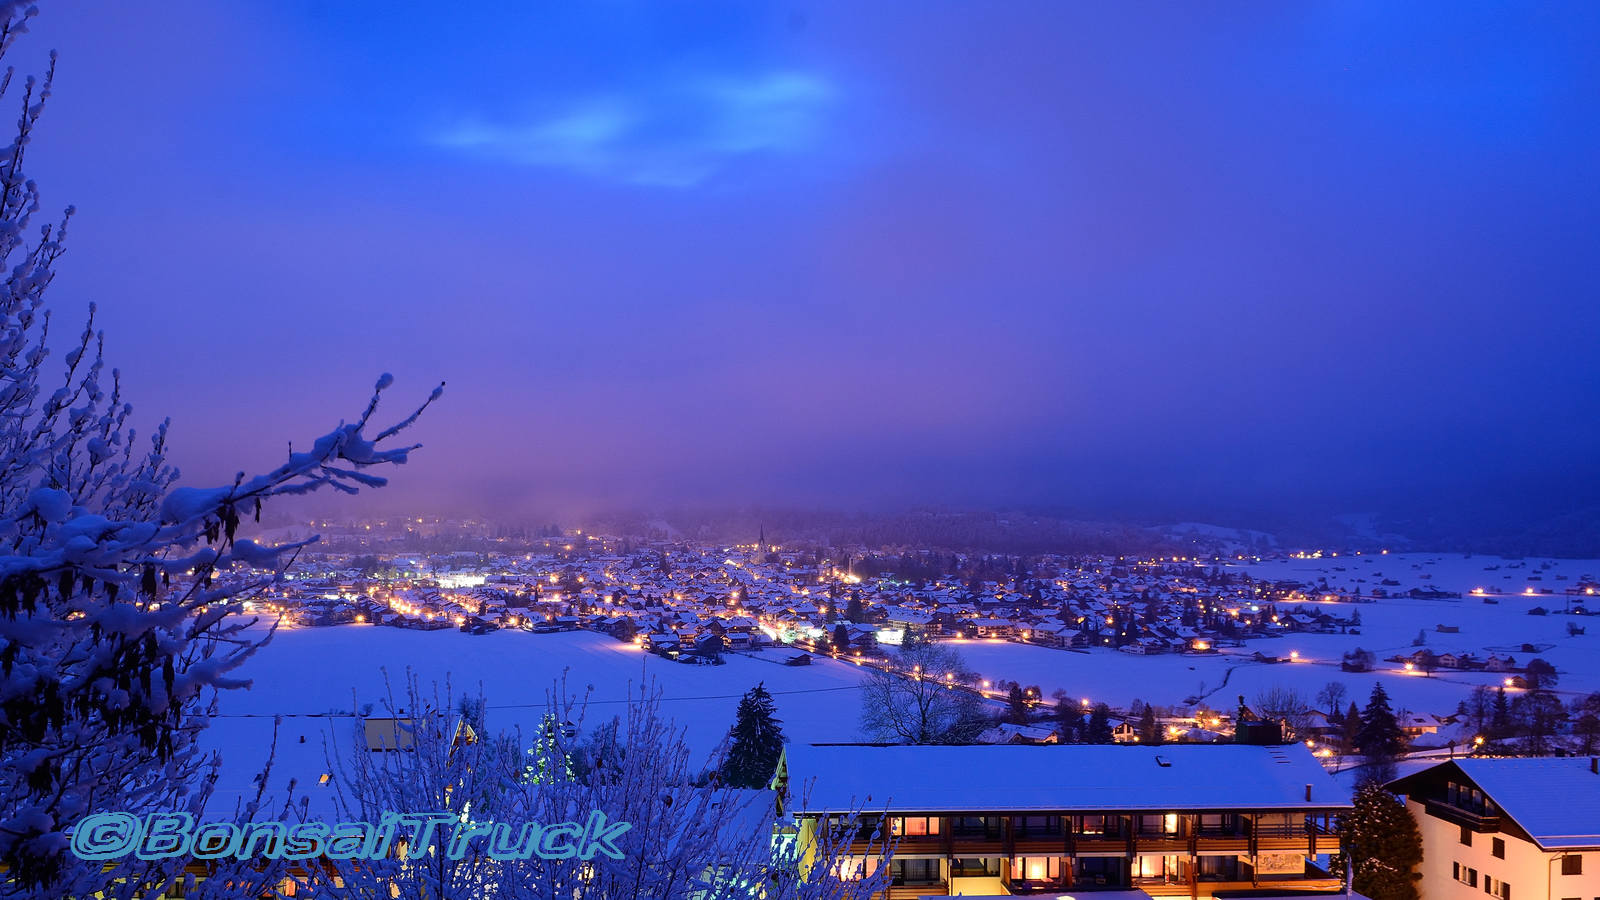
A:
(119, 592)
(688, 836)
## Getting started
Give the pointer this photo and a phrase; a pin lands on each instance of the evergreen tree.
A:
(841, 637)
(1381, 845)
(854, 611)
(1099, 729)
(1500, 716)
(1149, 731)
(1069, 718)
(755, 742)
(1017, 706)
(1380, 737)
(550, 763)
(1351, 727)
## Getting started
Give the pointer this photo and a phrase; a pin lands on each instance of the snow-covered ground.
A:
(317, 670)
(1454, 572)
(306, 673)
(314, 677)
(1388, 626)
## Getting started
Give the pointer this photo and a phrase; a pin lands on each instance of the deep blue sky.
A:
(1192, 260)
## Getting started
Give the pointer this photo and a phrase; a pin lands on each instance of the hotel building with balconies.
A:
(1172, 820)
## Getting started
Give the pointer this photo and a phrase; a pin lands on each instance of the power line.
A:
(346, 715)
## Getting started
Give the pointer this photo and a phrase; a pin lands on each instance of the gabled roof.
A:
(844, 777)
(1556, 800)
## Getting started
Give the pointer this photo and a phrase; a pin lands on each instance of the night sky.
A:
(1204, 261)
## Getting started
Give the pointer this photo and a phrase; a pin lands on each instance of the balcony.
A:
(1161, 843)
(1101, 838)
(913, 891)
(913, 844)
(1312, 880)
(1479, 820)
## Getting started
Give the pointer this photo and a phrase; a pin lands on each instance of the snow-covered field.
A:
(1452, 572)
(317, 670)
(309, 672)
(1388, 626)
(306, 674)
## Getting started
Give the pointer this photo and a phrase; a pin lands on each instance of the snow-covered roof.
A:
(299, 750)
(843, 777)
(1555, 800)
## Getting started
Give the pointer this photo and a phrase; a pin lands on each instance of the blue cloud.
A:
(673, 135)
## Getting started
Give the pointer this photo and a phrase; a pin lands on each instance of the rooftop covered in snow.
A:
(1556, 800)
(1169, 778)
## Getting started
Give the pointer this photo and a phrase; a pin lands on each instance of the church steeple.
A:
(761, 542)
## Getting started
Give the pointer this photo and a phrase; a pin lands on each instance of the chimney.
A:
(1594, 764)
(1308, 793)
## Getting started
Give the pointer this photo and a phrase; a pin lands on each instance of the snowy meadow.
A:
(315, 677)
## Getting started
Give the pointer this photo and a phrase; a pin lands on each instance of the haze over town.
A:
(1260, 269)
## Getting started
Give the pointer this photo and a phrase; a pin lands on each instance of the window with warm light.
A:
(914, 826)
(1036, 868)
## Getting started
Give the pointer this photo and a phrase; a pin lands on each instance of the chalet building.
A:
(1175, 820)
(1513, 829)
